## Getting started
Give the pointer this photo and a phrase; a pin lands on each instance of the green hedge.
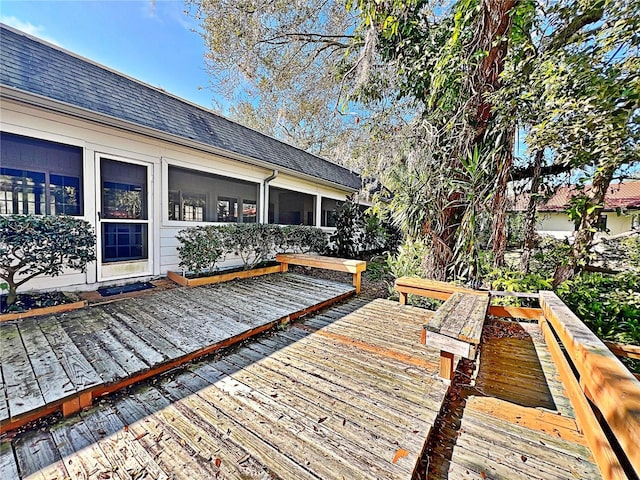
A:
(202, 247)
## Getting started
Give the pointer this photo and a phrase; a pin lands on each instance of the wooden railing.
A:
(601, 378)
(604, 393)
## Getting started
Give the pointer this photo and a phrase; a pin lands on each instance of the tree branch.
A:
(563, 36)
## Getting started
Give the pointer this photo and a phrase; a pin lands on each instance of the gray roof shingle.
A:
(35, 67)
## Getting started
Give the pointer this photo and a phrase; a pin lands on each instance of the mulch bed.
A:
(29, 301)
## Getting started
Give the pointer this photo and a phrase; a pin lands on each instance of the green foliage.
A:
(347, 241)
(631, 248)
(377, 269)
(202, 247)
(548, 254)
(253, 243)
(301, 239)
(408, 260)
(608, 304)
(42, 245)
(514, 281)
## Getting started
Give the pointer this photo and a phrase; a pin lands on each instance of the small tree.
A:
(42, 245)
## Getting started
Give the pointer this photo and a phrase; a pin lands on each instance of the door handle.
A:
(99, 216)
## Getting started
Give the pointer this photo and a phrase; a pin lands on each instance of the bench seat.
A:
(456, 328)
(429, 288)
(355, 267)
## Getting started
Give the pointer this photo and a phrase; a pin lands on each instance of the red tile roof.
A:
(619, 195)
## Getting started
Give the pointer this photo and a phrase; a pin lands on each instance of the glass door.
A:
(123, 218)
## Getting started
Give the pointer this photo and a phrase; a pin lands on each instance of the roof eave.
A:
(56, 106)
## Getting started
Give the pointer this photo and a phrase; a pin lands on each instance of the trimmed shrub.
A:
(203, 247)
(200, 248)
(32, 245)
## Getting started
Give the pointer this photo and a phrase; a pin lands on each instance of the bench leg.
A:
(284, 267)
(402, 298)
(356, 281)
(446, 365)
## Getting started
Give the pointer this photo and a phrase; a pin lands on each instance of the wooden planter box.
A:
(34, 312)
(221, 277)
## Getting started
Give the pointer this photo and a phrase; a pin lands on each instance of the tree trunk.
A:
(530, 216)
(494, 23)
(584, 235)
(499, 204)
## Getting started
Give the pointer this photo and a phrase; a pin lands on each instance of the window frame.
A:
(211, 195)
(39, 166)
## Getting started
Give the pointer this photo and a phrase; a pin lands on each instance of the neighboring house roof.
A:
(619, 195)
(30, 65)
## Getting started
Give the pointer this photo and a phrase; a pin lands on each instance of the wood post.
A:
(284, 267)
(402, 298)
(356, 281)
(446, 365)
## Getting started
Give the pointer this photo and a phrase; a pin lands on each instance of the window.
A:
(601, 225)
(124, 241)
(39, 177)
(329, 212)
(287, 207)
(227, 209)
(249, 211)
(196, 196)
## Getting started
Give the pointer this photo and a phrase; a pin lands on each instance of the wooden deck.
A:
(515, 422)
(347, 392)
(64, 361)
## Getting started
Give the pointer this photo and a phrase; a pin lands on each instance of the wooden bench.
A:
(356, 267)
(456, 328)
(442, 291)
(430, 288)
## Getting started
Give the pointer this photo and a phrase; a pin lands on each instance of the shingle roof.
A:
(30, 65)
(619, 195)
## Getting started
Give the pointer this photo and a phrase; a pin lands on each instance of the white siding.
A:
(98, 140)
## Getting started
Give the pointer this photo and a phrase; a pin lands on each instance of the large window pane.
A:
(203, 197)
(287, 207)
(124, 190)
(39, 177)
(124, 241)
(65, 195)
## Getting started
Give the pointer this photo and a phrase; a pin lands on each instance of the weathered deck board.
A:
(54, 358)
(38, 457)
(21, 383)
(524, 427)
(510, 369)
(144, 330)
(280, 406)
(77, 367)
(512, 451)
(119, 446)
(8, 466)
(158, 437)
(82, 456)
(52, 378)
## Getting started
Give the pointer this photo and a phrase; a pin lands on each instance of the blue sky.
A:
(150, 41)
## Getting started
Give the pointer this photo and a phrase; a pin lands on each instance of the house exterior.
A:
(140, 164)
(621, 211)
